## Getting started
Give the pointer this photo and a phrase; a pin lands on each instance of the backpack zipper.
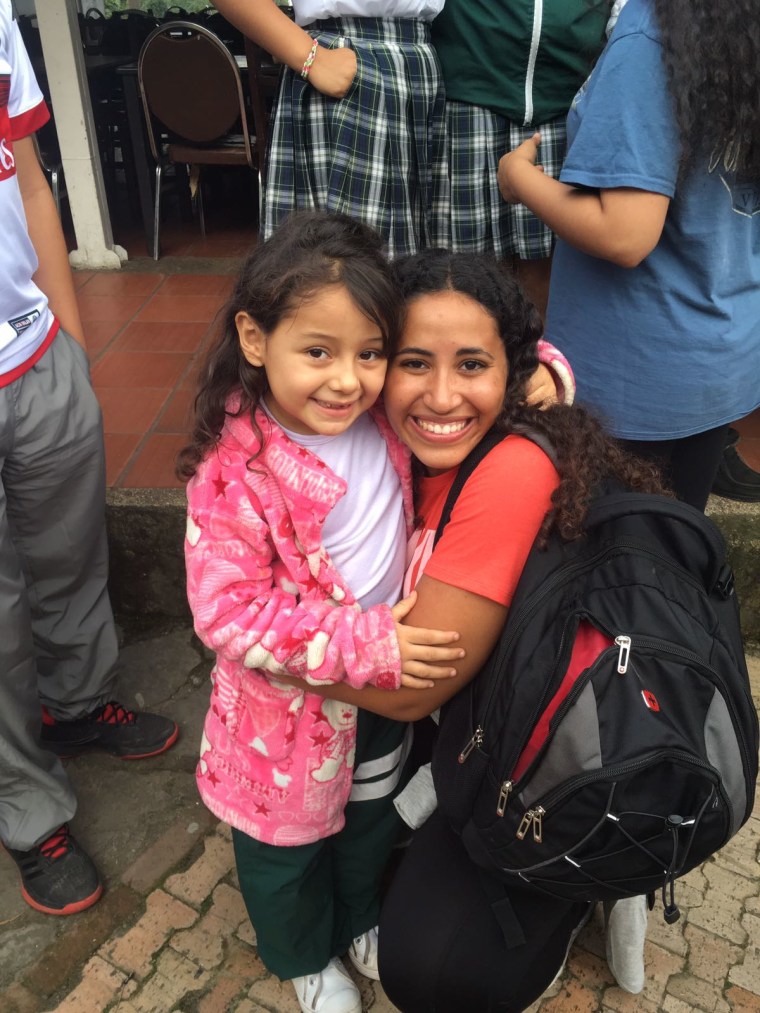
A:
(501, 805)
(534, 817)
(624, 643)
(475, 742)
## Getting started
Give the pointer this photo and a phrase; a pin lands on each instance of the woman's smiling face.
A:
(446, 383)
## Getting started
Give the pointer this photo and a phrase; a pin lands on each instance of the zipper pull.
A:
(506, 787)
(476, 740)
(624, 643)
(538, 828)
(525, 824)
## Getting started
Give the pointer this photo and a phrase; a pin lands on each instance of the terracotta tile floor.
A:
(145, 332)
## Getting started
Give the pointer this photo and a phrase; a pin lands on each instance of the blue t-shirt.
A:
(671, 347)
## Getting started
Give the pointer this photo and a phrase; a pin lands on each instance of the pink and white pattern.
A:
(276, 762)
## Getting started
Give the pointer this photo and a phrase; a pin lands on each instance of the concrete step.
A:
(146, 530)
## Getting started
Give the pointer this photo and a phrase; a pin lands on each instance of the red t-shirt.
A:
(493, 524)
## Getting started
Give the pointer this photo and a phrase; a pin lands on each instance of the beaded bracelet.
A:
(309, 60)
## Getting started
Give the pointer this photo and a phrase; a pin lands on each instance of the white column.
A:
(64, 64)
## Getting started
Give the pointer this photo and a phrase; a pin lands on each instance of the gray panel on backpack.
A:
(723, 753)
(575, 748)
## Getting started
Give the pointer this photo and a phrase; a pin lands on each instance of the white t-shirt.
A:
(364, 533)
(26, 323)
(307, 11)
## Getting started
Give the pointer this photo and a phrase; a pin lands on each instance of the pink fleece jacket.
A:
(277, 762)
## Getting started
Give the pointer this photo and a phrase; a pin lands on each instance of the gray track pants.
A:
(57, 640)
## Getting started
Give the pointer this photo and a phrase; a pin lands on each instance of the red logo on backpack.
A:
(650, 700)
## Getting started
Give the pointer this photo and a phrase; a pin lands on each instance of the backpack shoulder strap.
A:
(476, 455)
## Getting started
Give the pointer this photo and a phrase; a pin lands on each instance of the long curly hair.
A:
(585, 455)
(712, 56)
(309, 251)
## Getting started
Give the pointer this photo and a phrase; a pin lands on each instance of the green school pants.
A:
(308, 902)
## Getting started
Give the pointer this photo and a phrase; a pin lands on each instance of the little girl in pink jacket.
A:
(299, 504)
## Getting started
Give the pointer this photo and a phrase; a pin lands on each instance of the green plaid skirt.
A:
(481, 220)
(379, 153)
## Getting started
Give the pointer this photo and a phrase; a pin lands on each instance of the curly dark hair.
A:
(712, 56)
(585, 455)
(309, 251)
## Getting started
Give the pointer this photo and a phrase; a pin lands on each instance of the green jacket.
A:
(524, 60)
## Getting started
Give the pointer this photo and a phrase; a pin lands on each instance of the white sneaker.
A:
(329, 991)
(626, 930)
(363, 954)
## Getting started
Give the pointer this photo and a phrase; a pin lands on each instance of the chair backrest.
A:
(190, 83)
(92, 25)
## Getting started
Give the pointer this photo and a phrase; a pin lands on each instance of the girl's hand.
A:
(542, 390)
(423, 651)
(333, 71)
(513, 162)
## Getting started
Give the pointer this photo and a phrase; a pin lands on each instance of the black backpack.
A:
(609, 745)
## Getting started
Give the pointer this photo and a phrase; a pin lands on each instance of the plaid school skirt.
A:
(481, 220)
(379, 153)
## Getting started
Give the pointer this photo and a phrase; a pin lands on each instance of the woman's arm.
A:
(622, 225)
(479, 622)
(53, 276)
(332, 71)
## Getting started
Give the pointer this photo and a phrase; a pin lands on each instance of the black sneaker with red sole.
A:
(57, 876)
(109, 729)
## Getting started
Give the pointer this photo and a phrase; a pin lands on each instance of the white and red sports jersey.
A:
(26, 324)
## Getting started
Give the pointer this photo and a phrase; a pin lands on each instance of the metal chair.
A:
(190, 87)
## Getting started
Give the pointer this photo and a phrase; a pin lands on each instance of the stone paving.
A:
(171, 933)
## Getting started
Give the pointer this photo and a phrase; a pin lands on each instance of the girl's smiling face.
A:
(446, 383)
(325, 362)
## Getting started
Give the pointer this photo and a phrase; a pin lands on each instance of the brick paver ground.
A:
(181, 941)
